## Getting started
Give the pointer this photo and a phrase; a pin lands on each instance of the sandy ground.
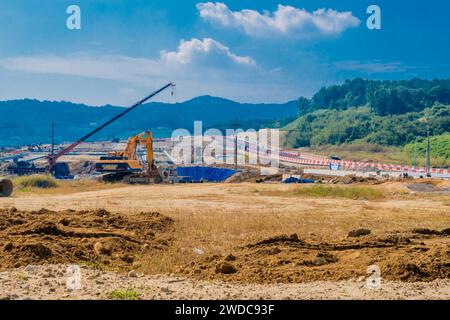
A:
(50, 282)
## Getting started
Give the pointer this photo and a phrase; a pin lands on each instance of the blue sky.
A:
(247, 50)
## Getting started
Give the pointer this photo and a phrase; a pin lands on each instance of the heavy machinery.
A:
(24, 167)
(125, 165)
(61, 169)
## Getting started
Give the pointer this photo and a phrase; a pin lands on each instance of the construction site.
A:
(139, 223)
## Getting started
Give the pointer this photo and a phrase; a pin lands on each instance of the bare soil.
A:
(420, 255)
(93, 237)
(50, 282)
(179, 236)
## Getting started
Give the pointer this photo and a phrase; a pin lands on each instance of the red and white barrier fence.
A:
(245, 146)
(358, 165)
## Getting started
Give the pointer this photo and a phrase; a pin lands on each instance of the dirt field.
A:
(98, 237)
(287, 259)
(239, 224)
(49, 282)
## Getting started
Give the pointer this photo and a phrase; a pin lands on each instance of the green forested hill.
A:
(391, 113)
(383, 97)
(323, 127)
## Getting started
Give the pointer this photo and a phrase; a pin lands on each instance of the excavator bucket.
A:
(6, 187)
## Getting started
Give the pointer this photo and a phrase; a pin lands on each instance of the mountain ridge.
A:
(23, 121)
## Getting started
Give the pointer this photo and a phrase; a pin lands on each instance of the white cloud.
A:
(207, 55)
(93, 66)
(286, 21)
(370, 67)
(189, 51)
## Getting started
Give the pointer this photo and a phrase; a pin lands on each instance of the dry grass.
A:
(35, 181)
(215, 218)
(377, 153)
(363, 152)
(41, 184)
(321, 191)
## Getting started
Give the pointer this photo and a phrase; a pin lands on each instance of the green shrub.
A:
(355, 193)
(129, 294)
(439, 149)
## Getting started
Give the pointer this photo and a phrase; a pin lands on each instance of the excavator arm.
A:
(131, 148)
(150, 153)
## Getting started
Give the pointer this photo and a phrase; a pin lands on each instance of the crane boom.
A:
(52, 158)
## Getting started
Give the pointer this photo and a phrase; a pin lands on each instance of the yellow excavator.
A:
(125, 165)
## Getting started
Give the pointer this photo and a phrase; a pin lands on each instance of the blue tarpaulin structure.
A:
(297, 180)
(206, 174)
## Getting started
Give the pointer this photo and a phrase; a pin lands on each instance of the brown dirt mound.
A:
(248, 174)
(96, 237)
(349, 179)
(82, 167)
(426, 187)
(407, 257)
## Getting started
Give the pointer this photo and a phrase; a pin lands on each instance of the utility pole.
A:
(53, 136)
(428, 147)
(236, 125)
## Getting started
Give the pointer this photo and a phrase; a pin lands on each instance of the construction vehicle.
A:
(61, 169)
(6, 187)
(24, 167)
(125, 165)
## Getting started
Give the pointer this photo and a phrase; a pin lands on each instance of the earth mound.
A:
(95, 237)
(401, 256)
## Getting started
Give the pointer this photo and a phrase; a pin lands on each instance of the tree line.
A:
(382, 97)
(377, 112)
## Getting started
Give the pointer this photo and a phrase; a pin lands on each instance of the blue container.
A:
(205, 174)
